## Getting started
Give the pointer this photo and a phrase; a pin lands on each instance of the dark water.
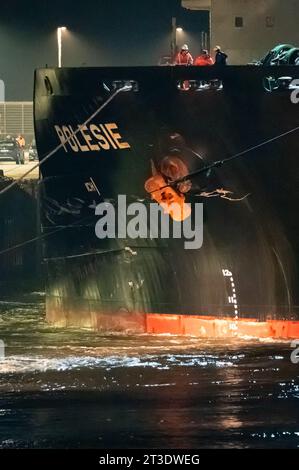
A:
(71, 388)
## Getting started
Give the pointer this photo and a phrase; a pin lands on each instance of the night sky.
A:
(100, 33)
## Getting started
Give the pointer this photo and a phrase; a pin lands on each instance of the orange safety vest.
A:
(21, 141)
(184, 59)
(203, 60)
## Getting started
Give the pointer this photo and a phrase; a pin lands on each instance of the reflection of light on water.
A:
(231, 422)
(159, 385)
(17, 364)
(274, 435)
(21, 364)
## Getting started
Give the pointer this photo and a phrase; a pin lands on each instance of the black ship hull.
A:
(244, 278)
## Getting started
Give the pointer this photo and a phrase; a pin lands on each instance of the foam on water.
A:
(28, 364)
(239, 392)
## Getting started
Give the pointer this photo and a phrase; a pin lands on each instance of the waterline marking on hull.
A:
(233, 298)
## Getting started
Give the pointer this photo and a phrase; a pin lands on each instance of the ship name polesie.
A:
(91, 138)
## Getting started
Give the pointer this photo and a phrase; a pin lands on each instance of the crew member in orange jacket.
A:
(204, 59)
(184, 57)
(21, 141)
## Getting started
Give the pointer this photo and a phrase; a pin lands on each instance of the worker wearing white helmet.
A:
(184, 57)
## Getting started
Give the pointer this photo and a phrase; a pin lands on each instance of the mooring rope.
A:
(220, 163)
(44, 235)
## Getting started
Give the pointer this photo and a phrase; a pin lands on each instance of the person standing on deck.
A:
(204, 59)
(184, 57)
(220, 56)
